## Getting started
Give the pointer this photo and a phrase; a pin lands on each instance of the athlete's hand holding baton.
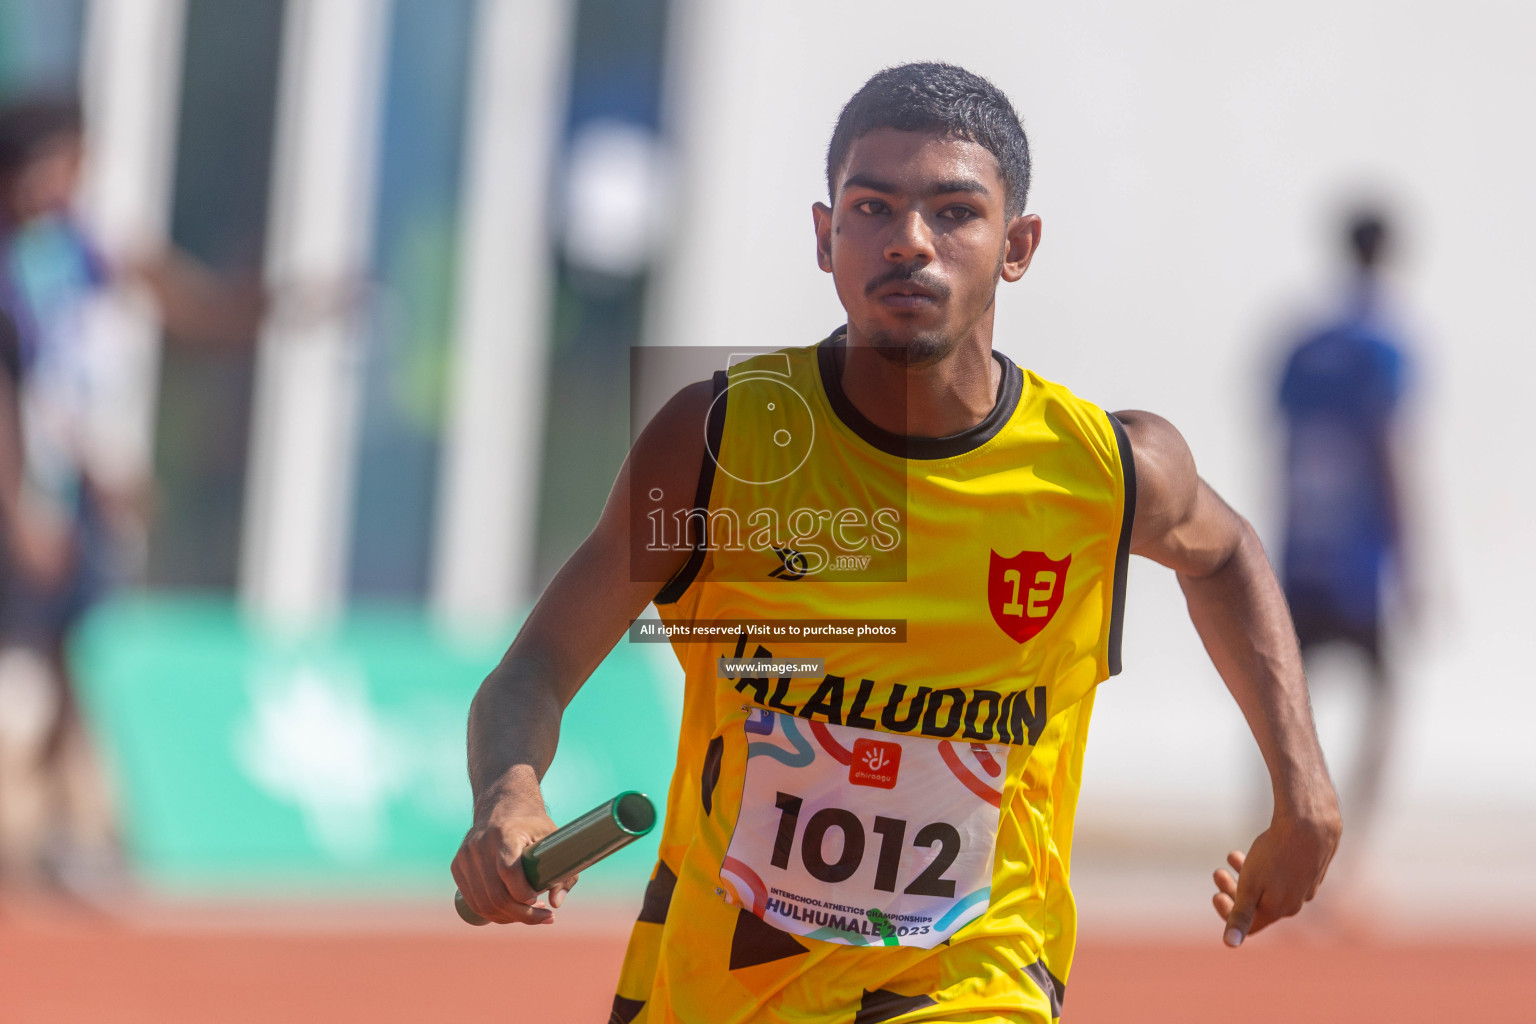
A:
(504, 864)
(489, 872)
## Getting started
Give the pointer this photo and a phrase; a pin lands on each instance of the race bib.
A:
(864, 838)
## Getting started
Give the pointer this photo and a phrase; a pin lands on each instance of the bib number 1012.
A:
(892, 833)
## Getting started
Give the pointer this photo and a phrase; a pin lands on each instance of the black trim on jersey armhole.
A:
(1123, 551)
(712, 433)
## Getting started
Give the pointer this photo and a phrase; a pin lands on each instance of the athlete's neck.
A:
(938, 399)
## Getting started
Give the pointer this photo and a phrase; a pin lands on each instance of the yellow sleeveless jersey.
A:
(885, 836)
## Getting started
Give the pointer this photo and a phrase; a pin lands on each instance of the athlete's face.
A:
(916, 240)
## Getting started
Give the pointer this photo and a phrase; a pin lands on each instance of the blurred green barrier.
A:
(334, 764)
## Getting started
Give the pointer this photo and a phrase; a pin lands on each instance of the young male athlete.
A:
(888, 839)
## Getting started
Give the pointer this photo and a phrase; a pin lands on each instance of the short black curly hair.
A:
(945, 100)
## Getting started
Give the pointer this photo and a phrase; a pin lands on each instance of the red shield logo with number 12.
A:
(1024, 591)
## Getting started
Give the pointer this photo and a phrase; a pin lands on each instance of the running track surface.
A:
(67, 969)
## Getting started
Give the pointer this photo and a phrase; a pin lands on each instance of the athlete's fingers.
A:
(1245, 904)
(1281, 897)
(559, 889)
(1226, 890)
(1227, 900)
(505, 908)
(484, 892)
(539, 913)
(479, 870)
(510, 870)
(1266, 914)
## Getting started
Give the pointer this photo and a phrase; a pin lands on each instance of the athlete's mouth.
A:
(905, 291)
(907, 288)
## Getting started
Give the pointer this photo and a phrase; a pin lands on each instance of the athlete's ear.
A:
(821, 215)
(1022, 240)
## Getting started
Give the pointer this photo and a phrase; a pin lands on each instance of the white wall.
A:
(1188, 160)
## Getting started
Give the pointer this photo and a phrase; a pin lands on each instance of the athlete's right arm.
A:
(514, 722)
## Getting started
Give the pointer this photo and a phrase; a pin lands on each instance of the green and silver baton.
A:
(576, 846)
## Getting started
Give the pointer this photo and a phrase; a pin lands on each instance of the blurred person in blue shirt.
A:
(1340, 394)
(67, 510)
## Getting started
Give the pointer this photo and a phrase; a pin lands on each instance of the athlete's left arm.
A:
(1241, 615)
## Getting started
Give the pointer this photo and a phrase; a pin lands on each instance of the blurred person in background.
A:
(1341, 394)
(70, 515)
(36, 546)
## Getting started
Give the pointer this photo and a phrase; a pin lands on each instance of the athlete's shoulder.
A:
(680, 416)
(670, 452)
(1041, 389)
(1069, 416)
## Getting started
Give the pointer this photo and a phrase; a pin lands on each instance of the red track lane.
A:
(75, 972)
(1269, 982)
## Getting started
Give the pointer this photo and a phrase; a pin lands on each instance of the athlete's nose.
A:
(910, 239)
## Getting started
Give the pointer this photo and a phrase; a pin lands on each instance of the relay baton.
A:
(574, 847)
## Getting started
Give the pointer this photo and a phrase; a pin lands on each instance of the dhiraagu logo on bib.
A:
(863, 838)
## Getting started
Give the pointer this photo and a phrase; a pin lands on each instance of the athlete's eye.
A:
(960, 213)
(873, 207)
